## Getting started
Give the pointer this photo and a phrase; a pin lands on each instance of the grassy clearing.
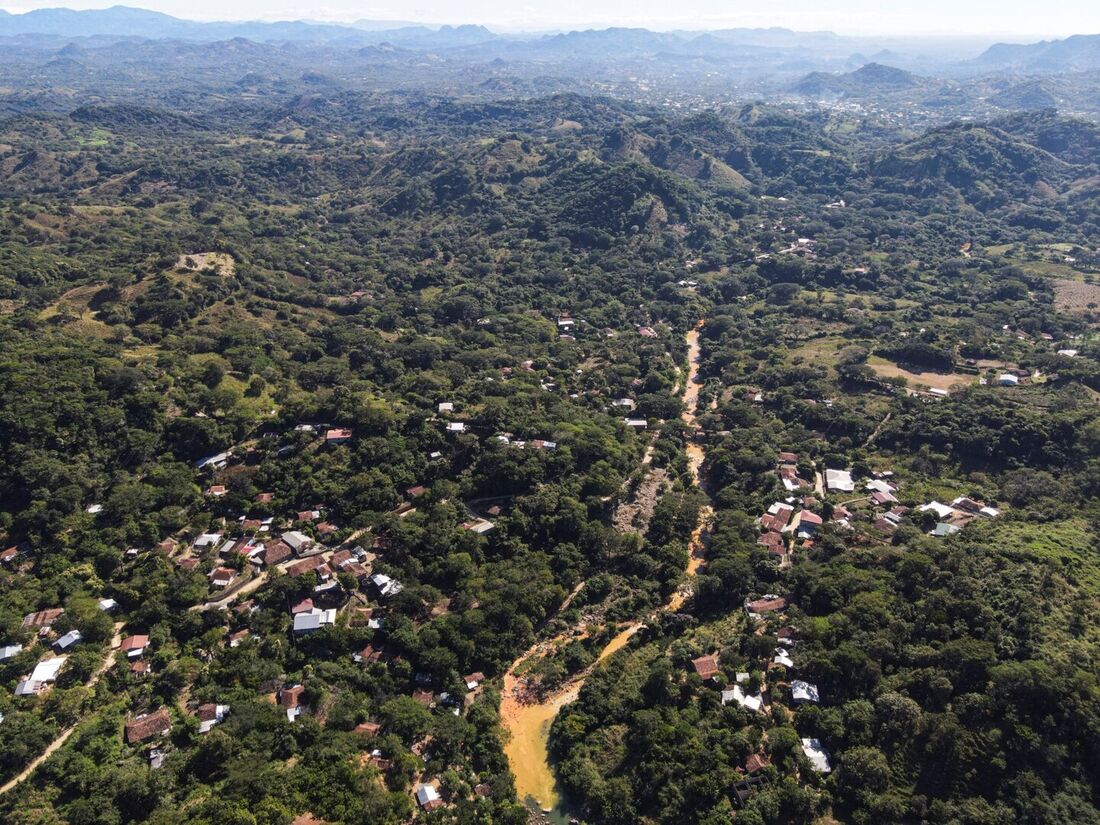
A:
(932, 380)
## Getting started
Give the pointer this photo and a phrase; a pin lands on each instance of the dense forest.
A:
(321, 408)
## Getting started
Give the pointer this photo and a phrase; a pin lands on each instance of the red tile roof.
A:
(146, 727)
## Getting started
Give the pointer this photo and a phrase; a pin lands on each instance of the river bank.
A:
(528, 723)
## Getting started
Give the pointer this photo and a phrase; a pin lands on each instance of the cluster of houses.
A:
(953, 517)
(750, 694)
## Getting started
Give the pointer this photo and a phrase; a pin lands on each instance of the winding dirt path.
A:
(63, 737)
(528, 723)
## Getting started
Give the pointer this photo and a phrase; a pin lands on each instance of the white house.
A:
(839, 481)
(753, 702)
(804, 692)
(1007, 379)
(818, 756)
(44, 672)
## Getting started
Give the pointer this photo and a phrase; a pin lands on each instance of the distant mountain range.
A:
(1078, 53)
(764, 48)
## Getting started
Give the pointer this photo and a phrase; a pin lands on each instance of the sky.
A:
(1021, 19)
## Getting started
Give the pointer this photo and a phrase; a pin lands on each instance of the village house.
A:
(134, 646)
(817, 755)
(290, 700)
(43, 619)
(803, 692)
(473, 680)
(368, 728)
(313, 620)
(210, 715)
(235, 639)
(148, 726)
(479, 526)
(10, 652)
(769, 603)
(222, 577)
(749, 701)
(40, 678)
(839, 481)
(70, 639)
(386, 586)
(705, 666)
(297, 541)
(338, 435)
(277, 552)
(427, 797)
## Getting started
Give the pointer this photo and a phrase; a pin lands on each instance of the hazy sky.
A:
(1026, 19)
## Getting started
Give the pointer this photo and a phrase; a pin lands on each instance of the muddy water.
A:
(528, 724)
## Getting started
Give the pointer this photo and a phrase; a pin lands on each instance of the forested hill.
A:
(323, 406)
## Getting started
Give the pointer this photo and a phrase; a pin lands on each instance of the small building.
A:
(636, 423)
(222, 576)
(749, 701)
(456, 427)
(134, 646)
(803, 692)
(297, 541)
(43, 619)
(1007, 379)
(427, 797)
(943, 530)
(108, 605)
(473, 680)
(479, 526)
(818, 756)
(148, 726)
(67, 641)
(276, 553)
(290, 700)
(705, 666)
(839, 481)
(314, 620)
(337, 435)
(10, 652)
(446, 407)
(43, 674)
(210, 715)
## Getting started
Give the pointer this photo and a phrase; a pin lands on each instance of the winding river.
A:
(528, 723)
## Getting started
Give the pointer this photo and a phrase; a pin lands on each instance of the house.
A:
(10, 652)
(314, 564)
(297, 541)
(222, 576)
(235, 639)
(456, 427)
(290, 701)
(264, 498)
(749, 701)
(788, 458)
(427, 797)
(308, 515)
(207, 540)
(839, 481)
(304, 606)
(773, 542)
(386, 586)
(43, 619)
(623, 403)
(767, 604)
(337, 435)
(209, 715)
(786, 636)
(67, 641)
(472, 680)
(1007, 379)
(216, 490)
(782, 657)
(943, 530)
(416, 491)
(108, 605)
(368, 728)
(369, 654)
(818, 756)
(44, 672)
(705, 666)
(276, 553)
(140, 668)
(11, 555)
(446, 406)
(802, 692)
(134, 646)
(941, 510)
(1068, 353)
(424, 697)
(879, 484)
(636, 423)
(216, 462)
(147, 726)
(314, 619)
(881, 499)
(479, 526)
(808, 523)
